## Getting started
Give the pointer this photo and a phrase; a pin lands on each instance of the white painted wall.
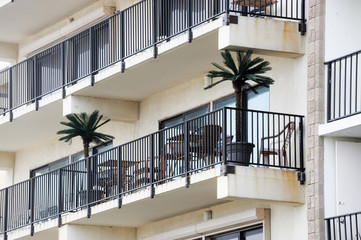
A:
(348, 177)
(330, 177)
(342, 24)
(342, 166)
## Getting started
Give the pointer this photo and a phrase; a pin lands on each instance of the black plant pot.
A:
(239, 153)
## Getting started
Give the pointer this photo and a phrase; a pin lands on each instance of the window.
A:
(184, 117)
(49, 167)
(254, 101)
(251, 234)
(65, 161)
(100, 148)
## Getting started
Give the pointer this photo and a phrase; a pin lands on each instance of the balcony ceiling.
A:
(185, 62)
(31, 128)
(23, 18)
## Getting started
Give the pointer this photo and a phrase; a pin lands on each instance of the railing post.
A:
(329, 75)
(154, 10)
(35, 83)
(10, 95)
(121, 40)
(302, 25)
(224, 140)
(328, 229)
(32, 197)
(190, 34)
(88, 188)
(227, 12)
(119, 176)
(6, 213)
(63, 73)
(60, 206)
(301, 175)
(151, 177)
(91, 56)
(186, 152)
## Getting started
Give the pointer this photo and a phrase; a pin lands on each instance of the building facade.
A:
(171, 171)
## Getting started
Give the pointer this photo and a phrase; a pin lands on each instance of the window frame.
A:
(69, 158)
(183, 114)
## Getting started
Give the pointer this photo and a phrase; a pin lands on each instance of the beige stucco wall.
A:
(287, 222)
(83, 232)
(122, 4)
(8, 52)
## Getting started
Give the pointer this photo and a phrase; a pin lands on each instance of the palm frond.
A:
(221, 68)
(228, 61)
(216, 83)
(248, 70)
(84, 126)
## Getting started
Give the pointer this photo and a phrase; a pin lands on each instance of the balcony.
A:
(343, 227)
(343, 97)
(199, 153)
(144, 26)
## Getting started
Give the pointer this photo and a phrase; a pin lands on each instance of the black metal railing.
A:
(178, 151)
(344, 227)
(343, 86)
(133, 30)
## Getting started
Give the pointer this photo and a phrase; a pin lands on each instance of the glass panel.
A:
(196, 113)
(40, 171)
(103, 147)
(76, 157)
(58, 164)
(254, 234)
(232, 236)
(228, 101)
(258, 101)
(170, 122)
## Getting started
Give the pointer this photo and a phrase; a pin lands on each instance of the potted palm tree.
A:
(84, 126)
(247, 69)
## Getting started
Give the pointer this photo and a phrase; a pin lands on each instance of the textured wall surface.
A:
(315, 117)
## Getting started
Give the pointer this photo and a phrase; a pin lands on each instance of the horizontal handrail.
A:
(346, 226)
(183, 149)
(137, 28)
(343, 215)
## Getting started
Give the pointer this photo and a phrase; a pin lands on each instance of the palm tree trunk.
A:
(86, 150)
(239, 116)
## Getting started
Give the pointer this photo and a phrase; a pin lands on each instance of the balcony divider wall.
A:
(172, 153)
(142, 26)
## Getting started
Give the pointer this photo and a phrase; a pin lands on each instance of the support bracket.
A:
(301, 177)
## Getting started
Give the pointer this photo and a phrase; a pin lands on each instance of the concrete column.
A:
(7, 163)
(95, 232)
(315, 117)
(8, 52)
